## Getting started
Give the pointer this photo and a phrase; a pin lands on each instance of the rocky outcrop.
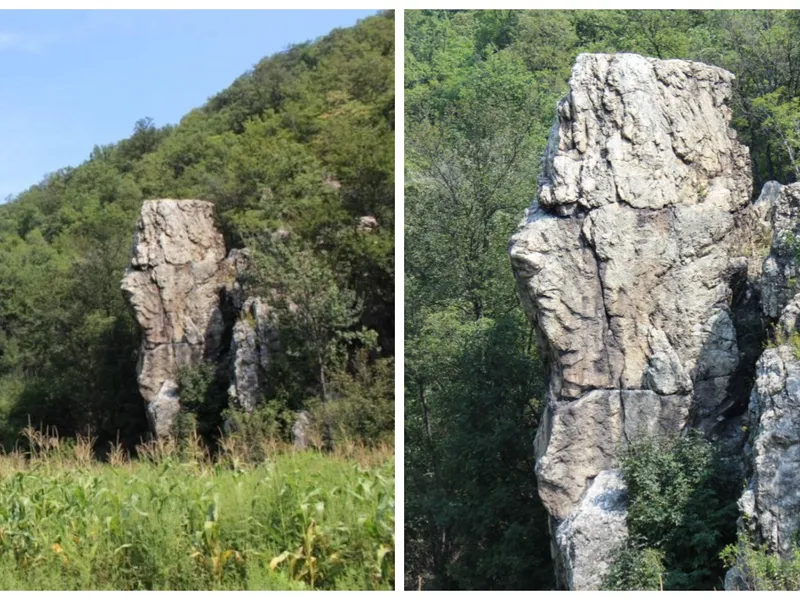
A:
(368, 224)
(631, 264)
(300, 430)
(770, 506)
(779, 206)
(177, 272)
(771, 503)
(180, 283)
(254, 341)
(588, 539)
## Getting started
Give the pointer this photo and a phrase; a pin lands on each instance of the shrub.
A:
(362, 401)
(682, 504)
(255, 432)
(635, 567)
(759, 569)
(204, 394)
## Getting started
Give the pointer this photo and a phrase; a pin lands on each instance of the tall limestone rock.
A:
(631, 264)
(177, 274)
(180, 284)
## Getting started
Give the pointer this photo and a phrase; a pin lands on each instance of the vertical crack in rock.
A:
(625, 265)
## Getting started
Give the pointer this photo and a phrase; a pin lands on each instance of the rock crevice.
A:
(770, 505)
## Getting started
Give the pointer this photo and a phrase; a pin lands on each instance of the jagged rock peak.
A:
(176, 232)
(627, 261)
(178, 269)
(644, 132)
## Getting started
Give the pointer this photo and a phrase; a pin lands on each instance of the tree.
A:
(317, 315)
(474, 520)
(682, 512)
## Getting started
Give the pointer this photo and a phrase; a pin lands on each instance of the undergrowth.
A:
(758, 569)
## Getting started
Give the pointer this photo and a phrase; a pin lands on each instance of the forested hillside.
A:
(481, 91)
(303, 142)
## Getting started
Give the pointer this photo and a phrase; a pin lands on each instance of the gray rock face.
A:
(300, 427)
(173, 284)
(770, 506)
(162, 410)
(590, 432)
(589, 537)
(368, 224)
(254, 341)
(779, 207)
(627, 261)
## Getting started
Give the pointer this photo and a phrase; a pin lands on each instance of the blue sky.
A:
(71, 80)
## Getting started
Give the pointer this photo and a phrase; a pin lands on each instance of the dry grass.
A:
(46, 447)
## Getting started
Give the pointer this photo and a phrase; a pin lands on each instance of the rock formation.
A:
(587, 539)
(631, 264)
(179, 284)
(254, 340)
(177, 272)
(770, 506)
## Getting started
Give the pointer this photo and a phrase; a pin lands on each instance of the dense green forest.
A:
(303, 142)
(481, 89)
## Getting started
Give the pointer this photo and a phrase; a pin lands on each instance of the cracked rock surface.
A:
(627, 263)
(177, 272)
(770, 506)
(254, 341)
(588, 538)
(772, 501)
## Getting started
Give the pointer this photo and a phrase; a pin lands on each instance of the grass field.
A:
(177, 521)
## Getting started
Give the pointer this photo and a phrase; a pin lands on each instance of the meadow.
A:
(175, 519)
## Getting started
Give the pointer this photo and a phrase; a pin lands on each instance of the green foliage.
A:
(317, 312)
(635, 568)
(362, 401)
(204, 396)
(473, 515)
(759, 569)
(259, 431)
(171, 525)
(304, 141)
(681, 504)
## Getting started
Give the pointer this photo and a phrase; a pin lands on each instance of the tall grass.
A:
(176, 520)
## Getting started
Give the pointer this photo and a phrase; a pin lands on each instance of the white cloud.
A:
(24, 42)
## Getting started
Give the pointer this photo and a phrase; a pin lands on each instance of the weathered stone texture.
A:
(770, 506)
(588, 539)
(774, 510)
(627, 262)
(254, 341)
(177, 272)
